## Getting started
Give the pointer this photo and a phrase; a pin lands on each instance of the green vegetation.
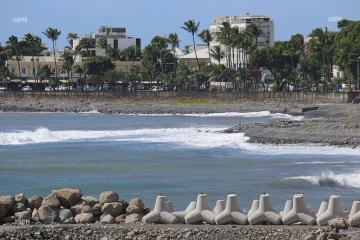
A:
(312, 124)
(294, 62)
(196, 101)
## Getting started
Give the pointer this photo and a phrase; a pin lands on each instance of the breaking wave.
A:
(332, 180)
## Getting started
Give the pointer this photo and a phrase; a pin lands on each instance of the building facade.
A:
(116, 38)
(265, 39)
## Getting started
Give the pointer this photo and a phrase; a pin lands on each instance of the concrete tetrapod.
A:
(299, 212)
(254, 207)
(354, 216)
(232, 212)
(160, 213)
(334, 210)
(287, 208)
(170, 206)
(265, 213)
(202, 211)
(323, 207)
(220, 206)
(181, 215)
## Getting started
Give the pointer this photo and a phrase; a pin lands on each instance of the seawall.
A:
(300, 97)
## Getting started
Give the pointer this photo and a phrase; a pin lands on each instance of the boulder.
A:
(51, 201)
(35, 215)
(107, 219)
(20, 198)
(338, 223)
(67, 196)
(137, 202)
(108, 197)
(86, 209)
(18, 207)
(35, 202)
(146, 211)
(2, 210)
(6, 220)
(121, 218)
(46, 214)
(114, 209)
(133, 218)
(84, 218)
(90, 200)
(8, 202)
(25, 215)
(133, 209)
(76, 209)
(64, 216)
(97, 209)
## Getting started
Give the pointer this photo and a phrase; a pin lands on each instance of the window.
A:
(23, 70)
(116, 44)
(34, 70)
(267, 41)
(138, 42)
(13, 70)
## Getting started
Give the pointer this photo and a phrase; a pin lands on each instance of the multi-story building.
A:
(116, 38)
(266, 37)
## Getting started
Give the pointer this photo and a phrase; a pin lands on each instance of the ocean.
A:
(178, 156)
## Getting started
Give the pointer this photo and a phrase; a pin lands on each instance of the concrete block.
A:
(265, 212)
(232, 212)
(202, 211)
(181, 215)
(160, 214)
(299, 212)
(334, 210)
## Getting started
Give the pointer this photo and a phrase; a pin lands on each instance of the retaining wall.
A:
(306, 97)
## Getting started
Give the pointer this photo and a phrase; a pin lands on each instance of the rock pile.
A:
(69, 206)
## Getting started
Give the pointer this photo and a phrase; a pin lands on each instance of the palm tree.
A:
(160, 44)
(192, 27)
(217, 53)
(70, 38)
(79, 70)
(103, 44)
(186, 49)
(53, 34)
(68, 62)
(175, 43)
(206, 37)
(84, 44)
(14, 46)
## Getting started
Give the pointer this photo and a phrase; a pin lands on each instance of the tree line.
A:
(293, 62)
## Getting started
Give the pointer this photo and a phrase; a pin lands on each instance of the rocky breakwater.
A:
(323, 132)
(69, 206)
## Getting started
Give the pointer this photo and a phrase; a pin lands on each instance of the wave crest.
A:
(332, 180)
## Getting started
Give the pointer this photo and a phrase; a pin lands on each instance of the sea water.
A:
(178, 156)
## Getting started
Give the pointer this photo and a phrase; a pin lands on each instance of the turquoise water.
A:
(178, 156)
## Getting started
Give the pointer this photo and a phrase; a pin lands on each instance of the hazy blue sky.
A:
(147, 18)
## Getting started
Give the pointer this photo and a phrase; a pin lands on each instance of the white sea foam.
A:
(187, 137)
(233, 114)
(332, 180)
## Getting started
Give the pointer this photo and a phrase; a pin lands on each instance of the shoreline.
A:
(323, 124)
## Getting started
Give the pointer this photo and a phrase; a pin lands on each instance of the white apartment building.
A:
(116, 38)
(265, 39)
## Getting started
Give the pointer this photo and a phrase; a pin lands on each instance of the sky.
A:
(147, 18)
